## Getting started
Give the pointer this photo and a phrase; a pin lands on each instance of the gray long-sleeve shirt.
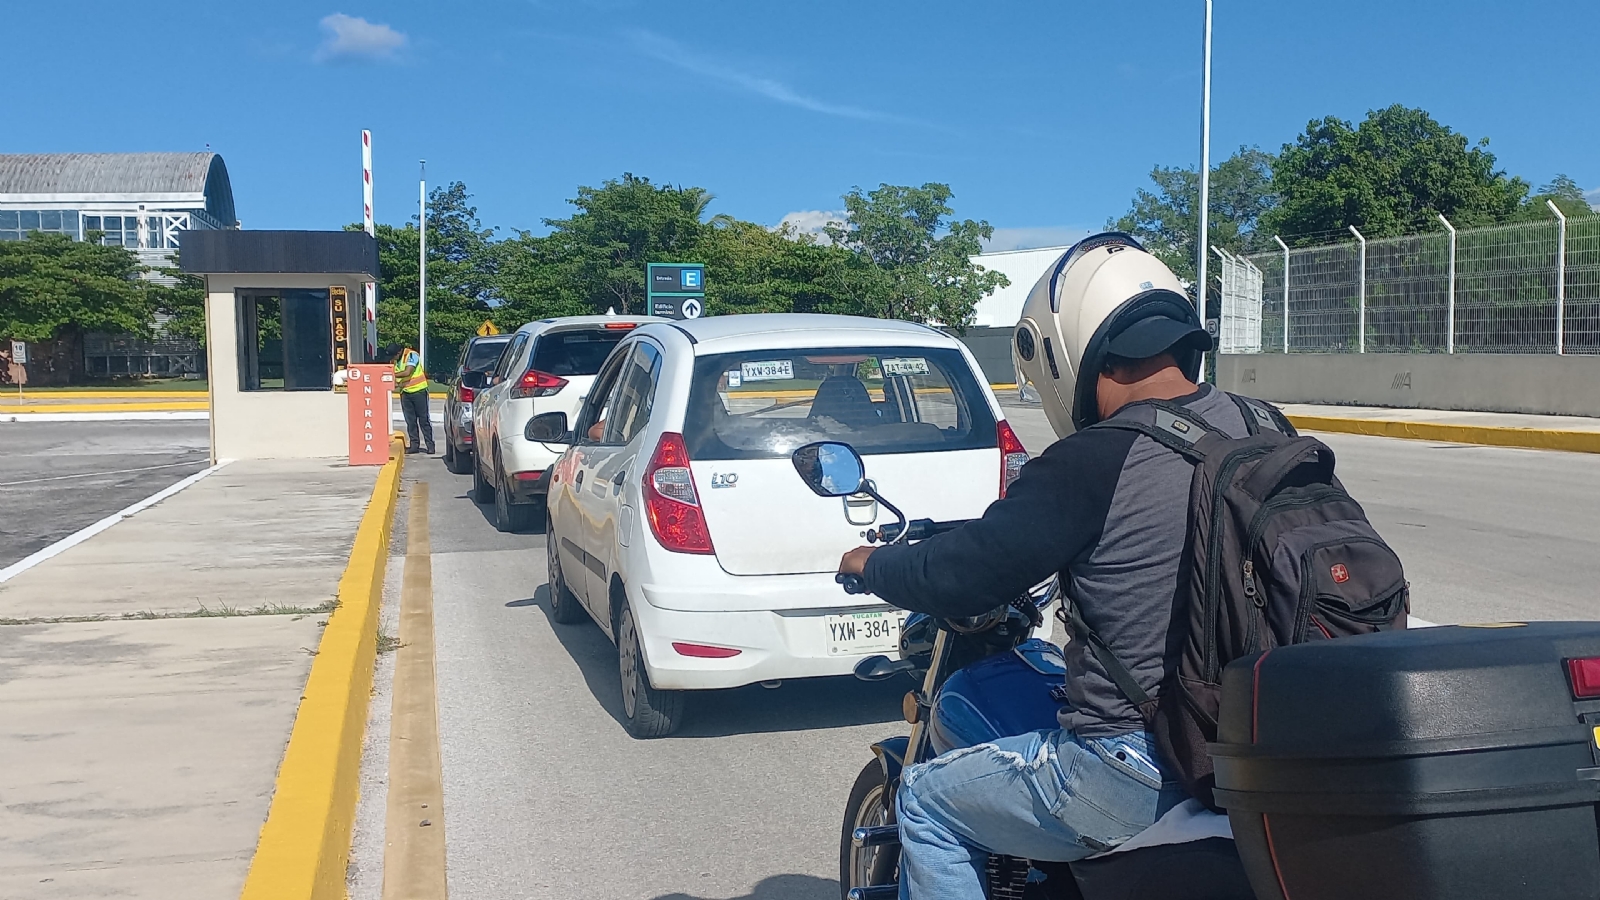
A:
(1108, 510)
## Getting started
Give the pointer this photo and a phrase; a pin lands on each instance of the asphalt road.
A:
(57, 477)
(547, 797)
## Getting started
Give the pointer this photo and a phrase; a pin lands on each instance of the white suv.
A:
(684, 530)
(547, 366)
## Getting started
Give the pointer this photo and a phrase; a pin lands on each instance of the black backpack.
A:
(1277, 553)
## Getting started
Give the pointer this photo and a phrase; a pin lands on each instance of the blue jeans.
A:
(1047, 795)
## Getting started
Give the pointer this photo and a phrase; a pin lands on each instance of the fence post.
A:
(1361, 290)
(1285, 291)
(1450, 296)
(1561, 278)
(1222, 310)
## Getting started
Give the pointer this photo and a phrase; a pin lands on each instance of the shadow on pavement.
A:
(780, 887)
(799, 705)
(487, 511)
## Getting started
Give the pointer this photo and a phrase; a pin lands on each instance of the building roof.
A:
(156, 178)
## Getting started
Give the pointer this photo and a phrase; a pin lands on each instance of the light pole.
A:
(422, 266)
(1202, 240)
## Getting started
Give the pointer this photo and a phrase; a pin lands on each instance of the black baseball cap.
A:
(1157, 334)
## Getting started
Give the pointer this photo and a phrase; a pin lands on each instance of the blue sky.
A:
(1044, 117)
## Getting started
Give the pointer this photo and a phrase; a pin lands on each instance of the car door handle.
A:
(618, 478)
(580, 478)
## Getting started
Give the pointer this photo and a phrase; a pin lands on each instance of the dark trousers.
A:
(415, 408)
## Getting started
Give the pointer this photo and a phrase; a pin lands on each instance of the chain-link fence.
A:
(1518, 288)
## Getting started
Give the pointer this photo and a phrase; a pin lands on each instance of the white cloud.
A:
(673, 53)
(352, 37)
(811, 221)
(1593, 197)
(1030, 238)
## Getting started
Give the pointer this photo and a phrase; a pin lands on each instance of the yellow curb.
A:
(304, 848)
(32, 393)
(175, 406)
(1530, 438)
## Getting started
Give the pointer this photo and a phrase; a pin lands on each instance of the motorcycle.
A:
(984, 678)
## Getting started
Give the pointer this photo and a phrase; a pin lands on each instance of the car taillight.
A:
(537, 384)
(1012, 455)
(465, 394)
(620, 326)
(704, 651)
(1585, 677)
(670, 499)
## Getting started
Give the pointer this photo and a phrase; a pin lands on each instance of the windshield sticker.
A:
(770, 370)
(735, 378)
(905, 365)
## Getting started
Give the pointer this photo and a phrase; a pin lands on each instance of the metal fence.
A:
(1526, 288)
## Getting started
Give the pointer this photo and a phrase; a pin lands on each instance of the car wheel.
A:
(564, 606)
(508, 516)
(482, 490)
(453, 460)
(646, 712)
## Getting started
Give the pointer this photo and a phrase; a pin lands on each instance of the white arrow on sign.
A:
(691, 308)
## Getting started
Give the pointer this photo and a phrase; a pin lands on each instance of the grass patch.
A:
(124, 384)
(204, 612)
(388, 643)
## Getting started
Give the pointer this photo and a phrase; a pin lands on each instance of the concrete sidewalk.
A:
(1444, 417)
(151, 676)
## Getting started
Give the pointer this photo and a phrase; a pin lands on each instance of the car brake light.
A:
(537, 384)
(704, 651)
(465, 394)
(1012, 455)
(624, 326)
(671, 501)
(1585, 677)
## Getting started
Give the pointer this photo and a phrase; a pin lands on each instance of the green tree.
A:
(751, 268)
(910, 259)
(601, 250)
(56, 289)
(1564, 193)
(1166, 222)
(1393, 174)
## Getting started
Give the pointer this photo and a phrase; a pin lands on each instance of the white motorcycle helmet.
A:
(1105, 296)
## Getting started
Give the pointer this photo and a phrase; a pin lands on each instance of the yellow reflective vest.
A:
(418, 380)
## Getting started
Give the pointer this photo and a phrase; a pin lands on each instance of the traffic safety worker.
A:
(412, 384)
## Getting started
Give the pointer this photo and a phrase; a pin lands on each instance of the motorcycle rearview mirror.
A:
(548, 428)
(830, 469)
(877, 668)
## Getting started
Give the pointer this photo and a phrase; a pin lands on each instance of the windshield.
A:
(574, 352)
(763, 404)
(482, 355)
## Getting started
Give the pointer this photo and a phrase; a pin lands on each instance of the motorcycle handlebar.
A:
(852, 583)
(916, 530)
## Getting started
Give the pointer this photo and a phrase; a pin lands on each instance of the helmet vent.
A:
(1050, 354)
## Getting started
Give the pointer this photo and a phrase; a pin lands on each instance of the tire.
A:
(511, 517)
(646, 712)
(454, 460)
(564, 607)
(859, 866)
(482, 490)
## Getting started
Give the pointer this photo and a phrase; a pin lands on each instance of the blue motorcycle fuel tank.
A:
(998, 696)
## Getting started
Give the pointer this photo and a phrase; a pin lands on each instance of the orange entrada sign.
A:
(368, 392)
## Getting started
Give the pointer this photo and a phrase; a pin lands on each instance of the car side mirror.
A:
(830, 469)
(475, 380)
(548, 428)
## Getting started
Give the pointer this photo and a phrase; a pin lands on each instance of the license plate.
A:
(768, 370)
(852, 634)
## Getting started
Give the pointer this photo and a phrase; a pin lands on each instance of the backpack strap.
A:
(1259, 415)
(1175, 428)
(1119, 674)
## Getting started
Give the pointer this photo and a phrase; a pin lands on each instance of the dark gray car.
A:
(478, 356)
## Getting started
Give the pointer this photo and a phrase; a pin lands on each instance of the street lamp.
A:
(1203, 238)
(422, 265)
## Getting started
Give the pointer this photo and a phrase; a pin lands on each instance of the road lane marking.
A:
(5, 484)
(83, 534)
(413, 856)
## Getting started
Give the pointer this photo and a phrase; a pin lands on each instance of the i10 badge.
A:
(724, 480)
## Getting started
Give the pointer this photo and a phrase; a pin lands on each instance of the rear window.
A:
(764, 404)
(574, 352)
(482, 355)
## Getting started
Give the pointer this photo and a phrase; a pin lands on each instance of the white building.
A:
(1003, 308)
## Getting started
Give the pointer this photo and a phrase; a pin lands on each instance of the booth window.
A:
(285, 340)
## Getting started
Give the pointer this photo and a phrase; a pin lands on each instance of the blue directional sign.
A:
(676, 290)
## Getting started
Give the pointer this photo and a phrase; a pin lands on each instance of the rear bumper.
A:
(773, 645)
(529, 488)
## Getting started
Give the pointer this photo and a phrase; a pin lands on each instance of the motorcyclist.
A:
(1107, 332)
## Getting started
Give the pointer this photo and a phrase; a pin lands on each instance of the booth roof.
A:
(281, 252)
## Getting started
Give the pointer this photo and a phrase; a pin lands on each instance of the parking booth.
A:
(287, 315)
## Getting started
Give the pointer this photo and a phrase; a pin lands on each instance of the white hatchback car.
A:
(678, 522)
(547, 366)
